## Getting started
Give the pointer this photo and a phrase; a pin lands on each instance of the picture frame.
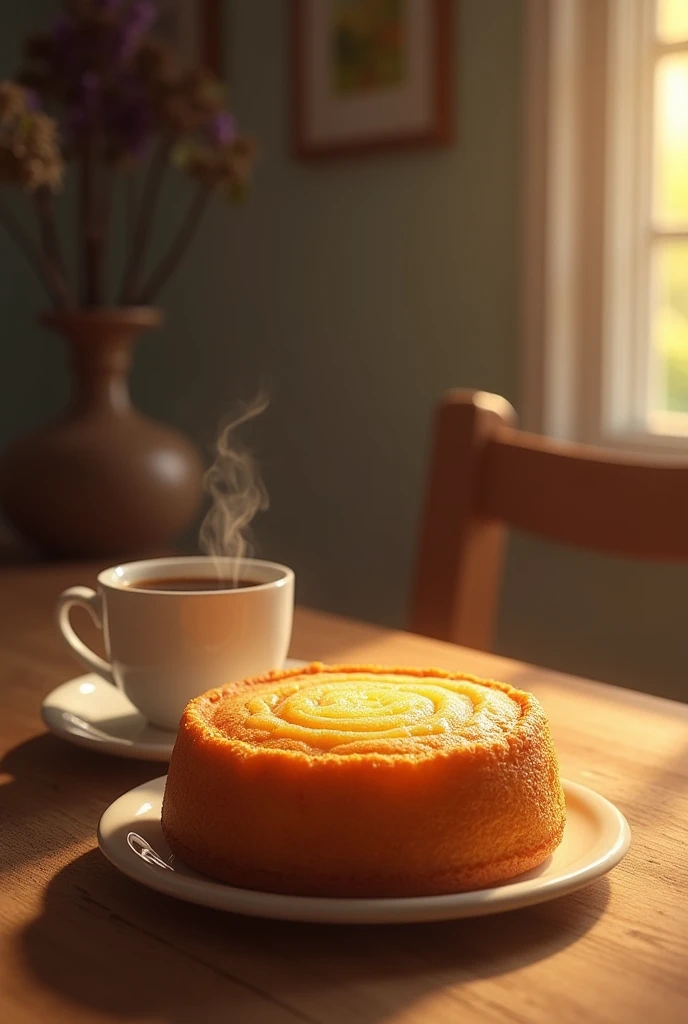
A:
(196, 29)
(370, 75)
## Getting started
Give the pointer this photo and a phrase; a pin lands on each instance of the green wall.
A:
(32, 377)
(356, 292)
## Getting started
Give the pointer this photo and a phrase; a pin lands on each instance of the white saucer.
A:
(595, 839)
(92, 713)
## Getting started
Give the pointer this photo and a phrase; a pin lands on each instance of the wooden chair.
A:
(486, 475)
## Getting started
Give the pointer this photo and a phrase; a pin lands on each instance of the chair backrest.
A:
(486, 475)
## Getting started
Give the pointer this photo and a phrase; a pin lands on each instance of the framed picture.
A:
(195, 29)
(369, 75)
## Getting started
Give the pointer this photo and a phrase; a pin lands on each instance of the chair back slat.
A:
(486, 475)
(587, 498)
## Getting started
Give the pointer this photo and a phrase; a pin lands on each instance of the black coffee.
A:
(191, 583)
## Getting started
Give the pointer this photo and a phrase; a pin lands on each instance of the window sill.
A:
(670, 440)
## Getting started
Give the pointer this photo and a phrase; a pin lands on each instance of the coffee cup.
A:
(175, 627)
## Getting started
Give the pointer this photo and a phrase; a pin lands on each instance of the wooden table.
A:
(82, 943)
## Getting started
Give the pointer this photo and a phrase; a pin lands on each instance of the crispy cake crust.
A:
(364, 780)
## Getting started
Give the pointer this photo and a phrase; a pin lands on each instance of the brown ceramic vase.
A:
(102, 480)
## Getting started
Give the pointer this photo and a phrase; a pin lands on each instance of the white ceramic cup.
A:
(166, 646)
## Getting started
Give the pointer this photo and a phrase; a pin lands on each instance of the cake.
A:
(363, 781)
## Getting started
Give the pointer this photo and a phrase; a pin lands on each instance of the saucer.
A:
(92, 713)
(596, 837)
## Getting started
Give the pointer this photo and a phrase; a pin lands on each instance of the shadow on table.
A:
(56, 794)
(110, 945)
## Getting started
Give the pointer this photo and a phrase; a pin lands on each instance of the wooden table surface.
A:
(82, 943)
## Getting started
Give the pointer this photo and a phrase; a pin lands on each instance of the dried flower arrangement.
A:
(100, 92)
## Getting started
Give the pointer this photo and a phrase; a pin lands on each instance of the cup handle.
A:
(92, 602)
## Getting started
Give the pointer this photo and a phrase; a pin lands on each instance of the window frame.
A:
(587, 162)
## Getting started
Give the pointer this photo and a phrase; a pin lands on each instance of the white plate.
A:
(92, 713)
(595, 839)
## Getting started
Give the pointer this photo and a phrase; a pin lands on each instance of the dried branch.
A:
(180, 243)
(52, 250)
(144, 223)
(91, 253)
(107, 191)
(31, 251)
(130, 196)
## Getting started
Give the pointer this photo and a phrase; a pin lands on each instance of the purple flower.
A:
(222, 128)
(128, 120)
(138, 20)
(84, 110)
(104, 46)
(33, 101)
(63, 30)
(90, 89)
(144, 13)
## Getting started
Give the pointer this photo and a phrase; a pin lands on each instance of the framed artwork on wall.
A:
(369, 75)
(195, 28)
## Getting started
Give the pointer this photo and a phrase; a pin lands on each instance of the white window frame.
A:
(587, 161)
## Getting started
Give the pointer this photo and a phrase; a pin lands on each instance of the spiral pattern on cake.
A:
(359, 711)
(363, 780)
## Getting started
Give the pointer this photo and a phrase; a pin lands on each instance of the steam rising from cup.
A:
(236, 490)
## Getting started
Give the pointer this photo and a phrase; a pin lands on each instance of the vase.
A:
(102, 480)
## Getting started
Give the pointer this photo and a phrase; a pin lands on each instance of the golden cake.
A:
(363, 781)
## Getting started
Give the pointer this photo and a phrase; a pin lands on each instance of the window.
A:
(667, 262)
(606, 228)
